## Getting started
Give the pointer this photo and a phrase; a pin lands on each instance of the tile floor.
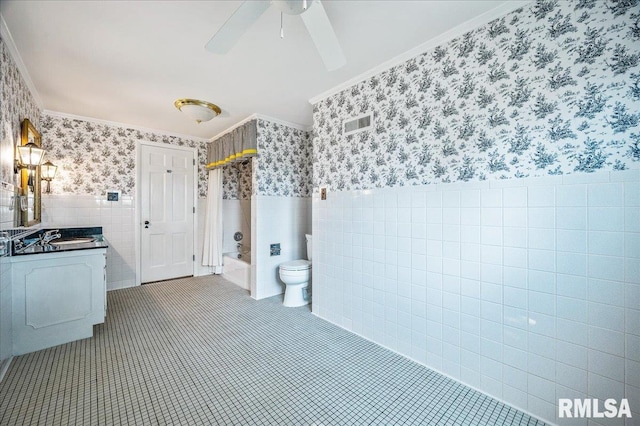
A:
(201, 351)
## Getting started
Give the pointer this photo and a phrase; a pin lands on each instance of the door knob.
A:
(146, 223)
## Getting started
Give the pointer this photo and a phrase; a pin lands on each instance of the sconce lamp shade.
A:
(48, 170)
(30, 154)
(198, 110)
(47, 173)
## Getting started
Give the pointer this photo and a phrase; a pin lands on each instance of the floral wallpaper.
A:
(553, 88)
(16, 104)
(283, 165)
(93, 157)
(237, 180)
(281, 168)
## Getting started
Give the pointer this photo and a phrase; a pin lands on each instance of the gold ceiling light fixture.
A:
(198, 110)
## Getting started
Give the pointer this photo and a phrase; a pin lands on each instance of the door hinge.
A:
(194, 161)
(194, 210)
(194, 257)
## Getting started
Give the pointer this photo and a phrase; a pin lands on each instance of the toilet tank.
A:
(308, 246)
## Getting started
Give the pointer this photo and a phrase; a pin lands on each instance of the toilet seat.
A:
(296, 265)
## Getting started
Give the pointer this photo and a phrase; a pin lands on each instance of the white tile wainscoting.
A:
(527, 289)
(236, 216)
(117, 219)
(283, 220)
(8, 212)
(280, 219)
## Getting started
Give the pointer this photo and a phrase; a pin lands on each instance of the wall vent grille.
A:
(357, 124)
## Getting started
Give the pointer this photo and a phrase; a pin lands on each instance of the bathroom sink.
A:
(59, 240)
(73, 241)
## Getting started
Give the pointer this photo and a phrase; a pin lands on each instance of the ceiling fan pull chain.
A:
(281, 28)
(311, 12)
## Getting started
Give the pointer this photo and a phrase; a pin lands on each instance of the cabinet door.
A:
(56, 299)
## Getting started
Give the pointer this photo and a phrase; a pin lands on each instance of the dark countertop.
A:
(67, 247)
(67, 235)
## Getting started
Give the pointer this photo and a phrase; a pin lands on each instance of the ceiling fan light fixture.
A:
(312, 14)
(292, 7)
(197, 110)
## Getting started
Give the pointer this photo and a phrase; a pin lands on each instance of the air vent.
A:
(357, 124)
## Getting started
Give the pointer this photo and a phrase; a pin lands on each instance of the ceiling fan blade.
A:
(323, 36)
(236, 25)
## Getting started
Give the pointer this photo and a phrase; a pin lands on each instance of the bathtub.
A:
(237, 268)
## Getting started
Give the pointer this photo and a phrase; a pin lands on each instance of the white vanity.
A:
(58, 294)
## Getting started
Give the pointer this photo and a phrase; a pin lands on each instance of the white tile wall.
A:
(117, 219)
(7, 211)
(118, 225)
(283, 220)
(528, 290)
(236, 216)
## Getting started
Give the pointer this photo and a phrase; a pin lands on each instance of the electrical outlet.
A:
(323, 193)
(275, 249)
(113, 195)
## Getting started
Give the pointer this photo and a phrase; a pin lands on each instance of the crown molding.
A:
(235, 126)
(257, 116)
(15, 55)
(122, 125)
(485, 18)
(284, 123)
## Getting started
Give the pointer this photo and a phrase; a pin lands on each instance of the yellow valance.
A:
(238, 144)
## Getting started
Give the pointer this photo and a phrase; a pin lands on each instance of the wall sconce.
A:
(48, 172)
(29, 157)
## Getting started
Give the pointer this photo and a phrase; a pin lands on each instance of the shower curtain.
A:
(237, 144)
(212, 251)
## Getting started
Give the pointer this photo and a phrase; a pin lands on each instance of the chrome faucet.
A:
(49, 236)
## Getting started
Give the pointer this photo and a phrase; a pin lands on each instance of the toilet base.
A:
(296, 295)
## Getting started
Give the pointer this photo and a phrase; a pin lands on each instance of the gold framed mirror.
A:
(30, 203)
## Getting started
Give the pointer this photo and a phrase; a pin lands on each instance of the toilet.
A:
(296, 275)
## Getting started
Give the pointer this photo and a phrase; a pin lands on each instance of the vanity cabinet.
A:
(57, 297)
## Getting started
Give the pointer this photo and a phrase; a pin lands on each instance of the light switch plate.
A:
(323, 193)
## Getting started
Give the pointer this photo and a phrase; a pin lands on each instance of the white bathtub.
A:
(237, 268)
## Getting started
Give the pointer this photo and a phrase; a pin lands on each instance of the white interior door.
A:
(167, 213)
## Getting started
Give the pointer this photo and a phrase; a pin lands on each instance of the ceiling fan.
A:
(312, 13)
